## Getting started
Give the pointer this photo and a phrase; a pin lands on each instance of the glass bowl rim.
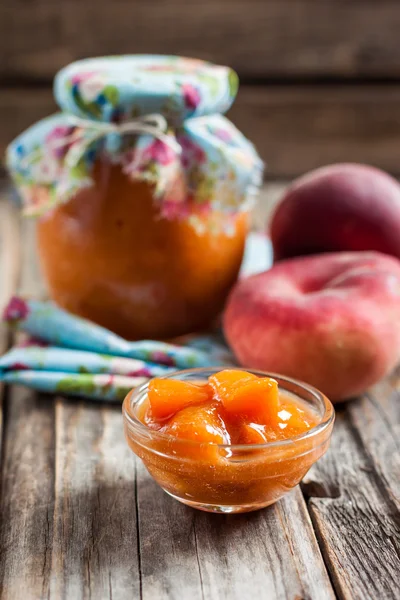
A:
(327, 418)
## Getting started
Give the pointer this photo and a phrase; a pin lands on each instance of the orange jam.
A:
(236, 441)
(234, 407)
(109, 256)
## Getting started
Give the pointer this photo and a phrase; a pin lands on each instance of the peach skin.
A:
(331, 320)
(342, 207)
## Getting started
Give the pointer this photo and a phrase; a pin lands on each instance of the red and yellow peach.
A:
(342, 207)
(332, 320)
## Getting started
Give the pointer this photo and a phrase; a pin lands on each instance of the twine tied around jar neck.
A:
(154, 124)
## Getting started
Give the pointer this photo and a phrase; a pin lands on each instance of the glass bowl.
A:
(229, 478)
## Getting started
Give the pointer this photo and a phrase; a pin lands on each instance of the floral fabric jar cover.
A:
(200, 164)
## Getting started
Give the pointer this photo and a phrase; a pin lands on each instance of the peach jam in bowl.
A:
(227, 441)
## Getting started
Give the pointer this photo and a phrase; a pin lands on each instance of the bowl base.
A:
(221, 508)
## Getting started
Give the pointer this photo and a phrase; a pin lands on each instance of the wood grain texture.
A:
(377, 420)
(168, 553)
(353, 499)
(95, 544)
(278, 38)
(27, 496)
(295, 128)
(260, 555)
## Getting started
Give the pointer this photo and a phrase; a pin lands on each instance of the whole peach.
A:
(332, 320)
(338, 207)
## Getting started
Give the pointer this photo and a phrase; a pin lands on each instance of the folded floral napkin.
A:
(70, 355)
(65, 354)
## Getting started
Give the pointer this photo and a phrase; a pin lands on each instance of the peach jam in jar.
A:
(141, 190)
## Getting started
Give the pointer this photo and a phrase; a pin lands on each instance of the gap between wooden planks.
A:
(81, 518)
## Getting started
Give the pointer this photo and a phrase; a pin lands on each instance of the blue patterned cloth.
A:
(69, 355)
(132, 86)
(197, 163)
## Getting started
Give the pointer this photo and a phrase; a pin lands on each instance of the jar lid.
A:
(204, 166)
(158, 117)
(118, 88)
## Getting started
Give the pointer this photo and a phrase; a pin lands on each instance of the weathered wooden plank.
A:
(358, 526)
(27, 476)
(95, 546)
(295, 128)
(168, 559)
(27, 496)
(377, 420)
(298, 128)
(260, 39)
(264, 555)
(269, 554)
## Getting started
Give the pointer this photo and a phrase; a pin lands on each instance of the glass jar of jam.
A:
(141, 189)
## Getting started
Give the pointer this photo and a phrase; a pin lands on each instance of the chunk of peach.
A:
(252, 433)
(200, 424)
(293, 420)
(242, 393)
(225, 382)
(168, 396)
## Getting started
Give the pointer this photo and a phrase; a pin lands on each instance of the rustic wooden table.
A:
(80, 518)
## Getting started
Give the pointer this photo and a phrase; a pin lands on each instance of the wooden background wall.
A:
(320, 79)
